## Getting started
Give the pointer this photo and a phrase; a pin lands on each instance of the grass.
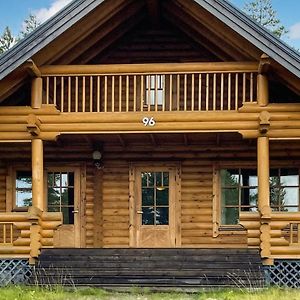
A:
(58, 293)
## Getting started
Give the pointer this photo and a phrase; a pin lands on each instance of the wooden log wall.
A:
(3, 173)
(111, 217)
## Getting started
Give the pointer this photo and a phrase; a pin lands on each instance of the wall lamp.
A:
(97, 158)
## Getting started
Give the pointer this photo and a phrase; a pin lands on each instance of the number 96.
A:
(149, 121)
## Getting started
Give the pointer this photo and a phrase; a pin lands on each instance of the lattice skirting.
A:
(284, 273)
(14, 271)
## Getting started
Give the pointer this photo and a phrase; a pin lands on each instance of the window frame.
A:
(150, 94)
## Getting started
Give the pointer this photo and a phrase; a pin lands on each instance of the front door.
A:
(63, 194)
(155, 207)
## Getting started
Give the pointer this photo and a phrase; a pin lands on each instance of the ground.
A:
(25, 293)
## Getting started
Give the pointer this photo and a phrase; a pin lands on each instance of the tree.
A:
(7, 40)
(263, 12)
(30, 24)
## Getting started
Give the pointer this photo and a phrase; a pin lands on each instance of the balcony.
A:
(186, 87)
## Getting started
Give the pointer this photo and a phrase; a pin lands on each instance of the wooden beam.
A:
(37, 174)
(264, 64)
(32, 68)
(154, 12)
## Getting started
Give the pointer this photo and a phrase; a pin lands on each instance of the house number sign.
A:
(149, 121)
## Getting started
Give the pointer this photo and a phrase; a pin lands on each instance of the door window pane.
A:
(23, 189)
(155, 198)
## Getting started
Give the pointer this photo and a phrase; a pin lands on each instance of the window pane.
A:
(249, 196)
(64, 179)
(162, 196)
(274, 177)
(147, 196)
(248, 177)
(71, 179)
(166, 178)
(230, 216)
(144, 177)
(230, 197)
(57, 179)
(68, 215)
(291, 209)
(158, 177)
(24, 180)
(148, 216)
(53, 209)
(289, 177)
(53, 196)
(289, 196)
(230, 177)
(50, 179)
(23, 198)
(162, 216)
(275, 195)
(65, 199)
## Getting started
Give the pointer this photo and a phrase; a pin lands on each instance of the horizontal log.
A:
(285, 250)
(165, 68)
(27, 110)
(14, 250)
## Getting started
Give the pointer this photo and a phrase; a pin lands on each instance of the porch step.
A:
(150, 267)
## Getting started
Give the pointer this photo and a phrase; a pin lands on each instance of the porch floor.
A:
(180, 268)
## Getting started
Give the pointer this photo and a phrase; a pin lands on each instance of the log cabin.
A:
(161, 136)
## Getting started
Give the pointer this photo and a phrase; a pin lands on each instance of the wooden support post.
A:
(37, 174)
(36, 92)
(263, 170)
(262, 81)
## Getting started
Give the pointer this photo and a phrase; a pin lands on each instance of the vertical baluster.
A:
(207, 92)
(127, 93)
(251, 87)
(134, 93)
(83, 94)
(229, 91)
(215, 92)
(47, 90)
(236, 91)
(113, 93)
(149, 91)
(200, 92)
(105, 93)
(76, 93)
(193, 92)
(291, 234)
(69, 94)
(156, 91)
(222, 91)
(120, 93)
(163, 85)
(171, 93)
(11, 233)
(185, 92)
(62, 93)
(98, 94)
(178, 92)
(54, 90)
(142, 93)
(4, 233)
(91, 93)
(244, 87)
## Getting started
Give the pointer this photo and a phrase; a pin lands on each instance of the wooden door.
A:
(63, 195)
(154, 211)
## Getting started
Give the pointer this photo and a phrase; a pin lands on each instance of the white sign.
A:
(149, 121)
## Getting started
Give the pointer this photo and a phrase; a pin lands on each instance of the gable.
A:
(96, 31)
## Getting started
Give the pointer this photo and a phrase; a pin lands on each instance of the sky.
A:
(13, 13)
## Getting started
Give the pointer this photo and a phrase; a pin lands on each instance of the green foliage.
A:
(263, 12)
(30, 24)
(7, 40)
(58, 293)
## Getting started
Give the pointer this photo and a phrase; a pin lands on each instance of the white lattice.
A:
(284, 273)
(14, 271)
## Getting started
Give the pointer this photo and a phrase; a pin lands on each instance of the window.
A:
(61, 195)
(23, 196)
(284, 190)
(155, 198)
(155, 89)
(238, 193)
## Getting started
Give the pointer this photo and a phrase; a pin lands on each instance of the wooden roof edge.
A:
(255, 33)
(221, 9)
(45, 34)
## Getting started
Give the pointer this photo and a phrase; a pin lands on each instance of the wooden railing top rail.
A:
(131, 69)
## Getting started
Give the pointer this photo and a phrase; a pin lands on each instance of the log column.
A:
(36, 92)
(262, 81)
(37, 174)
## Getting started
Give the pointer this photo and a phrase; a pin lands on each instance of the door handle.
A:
(140, 212)
(75, 211)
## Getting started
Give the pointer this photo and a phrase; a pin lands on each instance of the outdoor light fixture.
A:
(97, 156)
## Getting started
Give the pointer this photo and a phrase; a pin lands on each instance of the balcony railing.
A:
(151, 87)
